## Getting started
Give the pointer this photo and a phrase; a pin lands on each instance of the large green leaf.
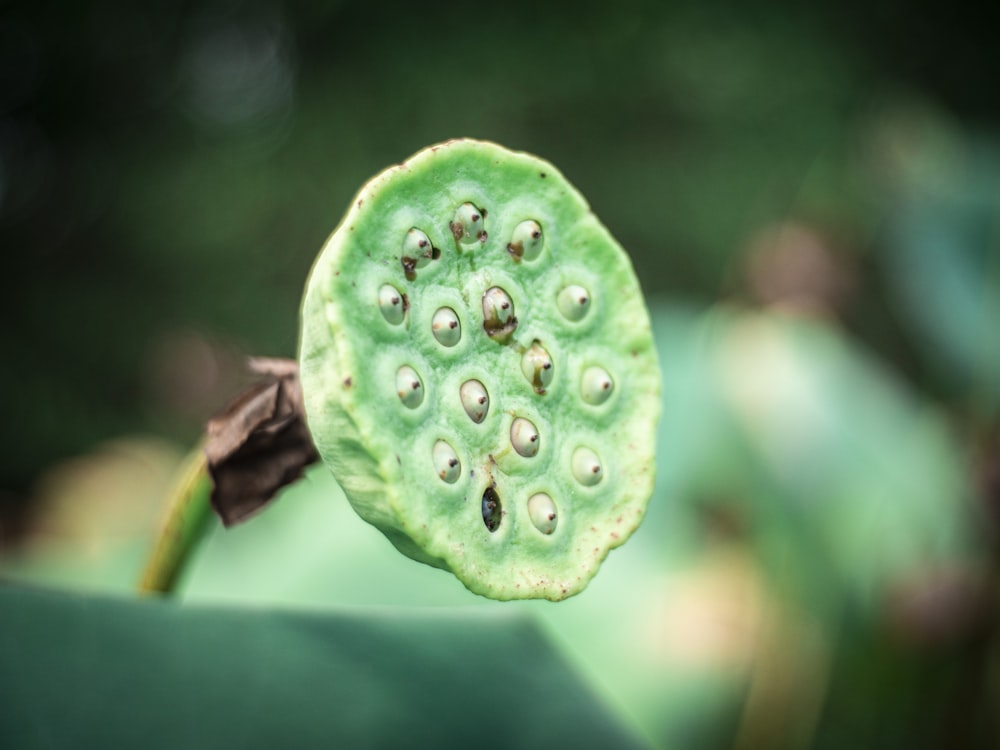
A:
(85, 671)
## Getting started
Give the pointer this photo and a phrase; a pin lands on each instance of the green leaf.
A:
(83, 671)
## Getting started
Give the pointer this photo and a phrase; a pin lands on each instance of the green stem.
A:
(185, 524)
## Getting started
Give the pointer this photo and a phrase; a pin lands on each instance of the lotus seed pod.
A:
(466, 452)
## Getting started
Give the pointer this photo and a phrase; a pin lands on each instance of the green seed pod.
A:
(403, 417)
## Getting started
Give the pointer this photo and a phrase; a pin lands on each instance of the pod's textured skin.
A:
(471, 271)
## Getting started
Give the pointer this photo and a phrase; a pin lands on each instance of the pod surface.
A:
(470, 271)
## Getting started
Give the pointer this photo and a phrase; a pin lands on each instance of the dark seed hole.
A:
(492, 510)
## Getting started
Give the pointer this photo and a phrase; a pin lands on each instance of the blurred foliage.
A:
(810, 193)
(258, 685)
(167, 172)
(813, 526)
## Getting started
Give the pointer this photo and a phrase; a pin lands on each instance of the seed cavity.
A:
(573, 302)
(586, 466)
(446, 327)
(409, 387)
(524, 437)
(499, 320)
(417, 252)
(526, 241)
(446, 462)
(392, 303)
(492, 509)
(596, 385)
(475, 400)
(536, 364)
(468, 224)
(542, 512)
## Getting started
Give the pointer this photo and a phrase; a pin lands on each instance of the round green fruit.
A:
(478, 371)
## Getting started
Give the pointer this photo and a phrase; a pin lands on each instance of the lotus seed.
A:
(525, 241)
(542, 512)
(446, 327)
(475, 399)
(409, 387)
(596, 385)
(524, 437)
(392, 304)
(573, 301)
(499, 320)
(468, 224)
(492, 509)
(446, 462)
(417, 245)
(587, 467)
(536, 364)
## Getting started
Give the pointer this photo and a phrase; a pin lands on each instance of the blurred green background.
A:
(811, 198)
